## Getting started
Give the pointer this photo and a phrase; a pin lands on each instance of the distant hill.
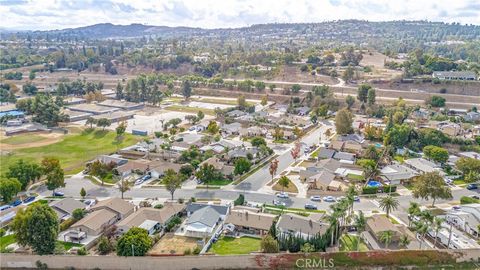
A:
(345, 30)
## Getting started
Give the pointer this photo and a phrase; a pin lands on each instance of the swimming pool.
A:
(373, 183)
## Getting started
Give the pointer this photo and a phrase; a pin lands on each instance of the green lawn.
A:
(236, 246)
(355, 177)
(346, 243)
(315, 153)
(21, 139)
(69, 245)
(73, 151)
(6, 240)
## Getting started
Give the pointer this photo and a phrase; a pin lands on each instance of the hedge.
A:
(369, 190)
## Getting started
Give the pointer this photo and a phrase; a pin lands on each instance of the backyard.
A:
(171, 244)
(235, 246)
(73, 151)
(349, 243)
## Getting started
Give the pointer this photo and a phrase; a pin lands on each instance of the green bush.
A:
(196, 250)
(66, 224)
(468, 200)
(158, 206)
(2, 232)
(369, 190)
(187, 252)
(82, 251)
(389, 188)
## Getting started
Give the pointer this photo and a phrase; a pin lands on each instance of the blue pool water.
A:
(14, 113)
(373, 183)
(378, 145)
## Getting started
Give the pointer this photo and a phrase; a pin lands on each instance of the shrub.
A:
(104, 246)
(2, 232)
(82, 251)
(158, 206)
(180, 200)
(78, 214)
(389, 188)
(187, 251)
(468, 200)
(369, 190)
(66, 224)
(196, 250)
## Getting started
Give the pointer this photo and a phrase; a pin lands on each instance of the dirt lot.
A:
(171, 244)
(376, 59)
(28, 140)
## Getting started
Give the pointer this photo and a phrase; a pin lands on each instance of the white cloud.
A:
(57, 14)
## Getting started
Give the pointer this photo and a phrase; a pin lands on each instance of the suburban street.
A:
(261, 177)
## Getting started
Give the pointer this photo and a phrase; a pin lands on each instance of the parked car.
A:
(29, 199)
(282, 195)
(16, 203)
(58, 194)
(472, 186)
(5, 207)
(279, 203)
(316, 198)
(475, 197)
(138, 182)
(310, 206)
(356, 199)
(146, 177)
(89, 202)
(329, 199)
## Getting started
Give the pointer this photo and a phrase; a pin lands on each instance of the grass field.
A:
(6, 240)
(186, 109)
(236, 246)
(73, 151)
(233, 102)
(22, 139)
(347, 243)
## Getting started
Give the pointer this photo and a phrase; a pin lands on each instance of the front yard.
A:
(236, 246)
(291, 188)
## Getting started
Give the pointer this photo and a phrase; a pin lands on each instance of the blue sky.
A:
(58, 14)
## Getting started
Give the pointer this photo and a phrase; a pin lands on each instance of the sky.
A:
(60, 14)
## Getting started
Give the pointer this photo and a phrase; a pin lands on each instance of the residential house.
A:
(219, 165)
(421, 165)
(117, 160)
(157, 168)
(450, 129)
(231, 129)
(466, 218)
(120, 207)
(336, 145)
(235, 113)
(254, 131)
(472, 116)
(396, 173)
(250, 222)
(300, 226)
(325, 153)
(95, 223)
(203, 219)
(64, 208)
(378, 224)
(151, 219)
(324, 180)
(140, 166)
(330, 165)
(345, 157)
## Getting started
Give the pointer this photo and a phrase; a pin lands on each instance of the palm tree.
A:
(404, 241)
(413, 211)
(123, 186)
(422, 229)
(388, 204)
(360, 224)
(386, 237)
(351, 193)
(437, 226)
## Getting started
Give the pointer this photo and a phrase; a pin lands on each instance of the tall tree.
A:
(172, 181)
(186, 89)
(242, 165)
(9, 187)
(362, 93)
(103, 122)
(37, 227)
(123, 186)
(431, 186)
(371, 96)
(350, 101)
(295, 152)
(25, 172)
(273, 168)
(343, 122)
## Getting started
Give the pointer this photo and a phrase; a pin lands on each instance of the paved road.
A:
(261, 177)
